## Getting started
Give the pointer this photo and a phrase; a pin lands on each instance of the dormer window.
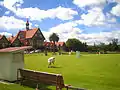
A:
(18, 37)
(21, 36)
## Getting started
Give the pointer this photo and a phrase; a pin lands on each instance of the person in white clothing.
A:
(51, 60)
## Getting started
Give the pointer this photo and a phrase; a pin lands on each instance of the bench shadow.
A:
(33, 84)
(54, 67)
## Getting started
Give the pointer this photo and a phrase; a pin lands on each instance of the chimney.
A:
(27, 25)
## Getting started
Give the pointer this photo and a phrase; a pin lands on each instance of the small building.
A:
(11, 59)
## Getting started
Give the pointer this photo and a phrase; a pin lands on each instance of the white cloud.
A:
(70, 30)
(116, 10)
(5, 33)
(12, 4)
(95, 37)
(37, 14)
(12, 23)
(7, 12)
(46, 34)
(94, 16)
(65, 30)
(83, 3)
(1, 3)
(36, 25)
(104, 37)
(110, 18)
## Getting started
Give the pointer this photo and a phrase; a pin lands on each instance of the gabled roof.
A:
(13, 49)
(12, 39)
(1, 36)
(60, 43)
(31, 33)
(51, 43)
(28, 33)
(48, 43)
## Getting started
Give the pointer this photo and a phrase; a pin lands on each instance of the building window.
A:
(18, 37)
(36, 34)
(3, 45)
(21, 36)
(40, 35)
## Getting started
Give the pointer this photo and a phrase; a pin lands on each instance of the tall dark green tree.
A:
(113, 45)
(118, 47)
(103, 47)
(75, 45)
(85, 46)
(55, 38)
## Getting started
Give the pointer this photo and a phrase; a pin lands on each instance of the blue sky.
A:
(87, 20)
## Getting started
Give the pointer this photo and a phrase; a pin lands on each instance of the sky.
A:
(91, 21)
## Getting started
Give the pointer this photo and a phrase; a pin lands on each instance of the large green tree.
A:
(113, 45)
(55, 38)
(75, 45)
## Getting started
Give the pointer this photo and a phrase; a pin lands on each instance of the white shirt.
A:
(51, 59)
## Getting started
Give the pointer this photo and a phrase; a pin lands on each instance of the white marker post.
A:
(77, 54)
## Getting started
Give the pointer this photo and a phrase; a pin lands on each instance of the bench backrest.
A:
(48, 78)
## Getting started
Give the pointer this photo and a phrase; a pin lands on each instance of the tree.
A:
(118, 47)
(75, 45)
(110, 46)
(55, 38)
(103, 47)
(113, 45)
(85, 46)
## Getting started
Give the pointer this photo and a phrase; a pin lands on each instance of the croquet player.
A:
(51, 60)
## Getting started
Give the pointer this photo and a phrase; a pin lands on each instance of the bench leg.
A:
(58, 88)
(21, 82)
(67, 88)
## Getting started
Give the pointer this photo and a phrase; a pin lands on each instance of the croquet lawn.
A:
(90, 71)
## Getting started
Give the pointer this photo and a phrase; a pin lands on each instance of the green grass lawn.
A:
(91, 71)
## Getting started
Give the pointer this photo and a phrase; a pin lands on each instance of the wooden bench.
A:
(43, 77)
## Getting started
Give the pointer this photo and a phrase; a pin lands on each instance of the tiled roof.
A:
(51, 43)
(48, 43)
(12, 39)
(31, 33)
(1, 36)
(28, 33)
(12, 49)
(60, 43)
